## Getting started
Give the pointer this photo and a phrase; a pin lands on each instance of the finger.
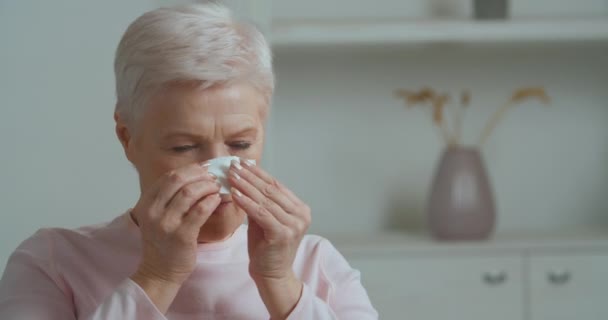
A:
(265, 188)
(269, 179)
(257, 171)
(299, 209)
(258, 213)
(187, 197)
(245, 187)
(200, 213)
(174, 180)
(302, 210)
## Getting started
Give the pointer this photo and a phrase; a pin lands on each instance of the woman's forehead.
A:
(224, 110)
(241, 98)
(231, 125)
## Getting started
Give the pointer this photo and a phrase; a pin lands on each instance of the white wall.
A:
(365, 163)
(60, 164)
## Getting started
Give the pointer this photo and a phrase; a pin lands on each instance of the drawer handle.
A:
(560, 277)
(495, 277)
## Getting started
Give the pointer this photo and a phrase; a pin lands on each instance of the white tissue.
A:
(219, 167)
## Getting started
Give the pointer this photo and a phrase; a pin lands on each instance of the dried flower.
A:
(413, 98)
(517, 97)
(426, 94)
(428, 97)
(529, 93)
(406, 95)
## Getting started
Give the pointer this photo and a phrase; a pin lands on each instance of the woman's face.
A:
(184, 125)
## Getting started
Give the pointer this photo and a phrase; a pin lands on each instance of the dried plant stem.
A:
(465, 101)
(445, 133)
(458, 124)
(437, 113)
(439, 102)
(491, 125)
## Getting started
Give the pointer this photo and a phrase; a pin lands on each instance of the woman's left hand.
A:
(277, 222)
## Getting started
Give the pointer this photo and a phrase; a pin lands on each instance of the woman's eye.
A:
(183, 148)
(240, 145)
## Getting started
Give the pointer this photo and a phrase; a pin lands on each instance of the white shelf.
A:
(323, 33)
(411, 243)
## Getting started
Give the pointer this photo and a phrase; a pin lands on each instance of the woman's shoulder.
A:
(320, 264)
(89, 230)
(41, 248)
(315, 249)
(49, 238)
(317, 244)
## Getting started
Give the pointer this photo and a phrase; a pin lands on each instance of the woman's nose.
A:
(218, 150)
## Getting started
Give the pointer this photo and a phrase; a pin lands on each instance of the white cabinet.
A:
(568, 286)
(444, 288)
(517, 277)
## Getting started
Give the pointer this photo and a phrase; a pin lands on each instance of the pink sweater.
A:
(60, 274)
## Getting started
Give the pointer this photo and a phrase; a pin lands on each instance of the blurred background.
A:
(342, 139)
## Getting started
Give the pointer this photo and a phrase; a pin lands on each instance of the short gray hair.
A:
(200, 43)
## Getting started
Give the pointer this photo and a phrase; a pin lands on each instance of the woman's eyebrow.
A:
(243, 132)
(180, 134)
(185, 134)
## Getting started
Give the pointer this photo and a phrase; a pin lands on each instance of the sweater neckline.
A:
(237, 235)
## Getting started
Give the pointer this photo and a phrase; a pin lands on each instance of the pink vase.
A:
(461, 205)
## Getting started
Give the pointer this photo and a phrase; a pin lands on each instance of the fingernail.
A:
(214, 177)
(237, 165)
(205, 164)
(249, 163)
(237, 192)
(235, 175)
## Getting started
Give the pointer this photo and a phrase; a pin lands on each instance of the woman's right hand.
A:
(170, 215)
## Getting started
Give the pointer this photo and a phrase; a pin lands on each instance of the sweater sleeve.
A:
(31, 289)
(347, 297)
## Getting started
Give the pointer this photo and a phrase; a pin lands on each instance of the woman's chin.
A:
(222, 223)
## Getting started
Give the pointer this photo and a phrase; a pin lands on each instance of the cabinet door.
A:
(566, 287)
(429, 288)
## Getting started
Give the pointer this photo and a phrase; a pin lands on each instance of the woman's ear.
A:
(124, 135)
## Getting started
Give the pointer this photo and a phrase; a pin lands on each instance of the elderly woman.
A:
(192, 85)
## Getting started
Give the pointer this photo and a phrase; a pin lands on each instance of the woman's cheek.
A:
(256, 151)
(167, 163)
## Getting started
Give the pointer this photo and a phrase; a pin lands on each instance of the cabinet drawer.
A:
(439, 288)
(565, 287)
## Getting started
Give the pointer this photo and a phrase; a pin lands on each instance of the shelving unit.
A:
(400, 243)
(294, 34)
(549, 254)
